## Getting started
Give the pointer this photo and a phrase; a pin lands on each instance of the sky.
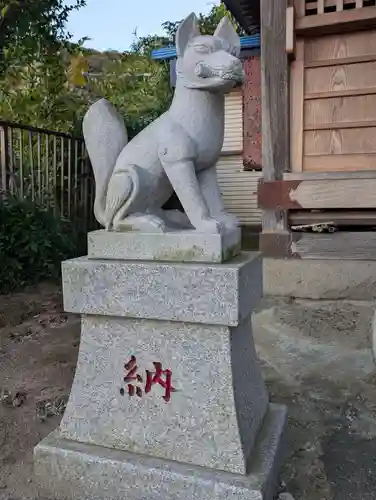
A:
(111, 23)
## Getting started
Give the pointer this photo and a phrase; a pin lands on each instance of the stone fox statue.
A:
(178, 151)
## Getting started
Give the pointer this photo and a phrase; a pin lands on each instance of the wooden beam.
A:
(339, 245)
(317, 194)
(340, 61)
(341, 93)
(290, 31)
(274, 90)
(275, 116)
(297, 108)
(299, 7)
(276, 244)
(336, 217)
(336, 22)
(314, 176)
(252, 114)
(336, 162)
(340, 125)
(320, 6)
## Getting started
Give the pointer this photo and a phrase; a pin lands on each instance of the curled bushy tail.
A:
(105, 137)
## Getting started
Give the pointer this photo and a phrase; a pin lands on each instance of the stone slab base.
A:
(70, 470)
(172, 246)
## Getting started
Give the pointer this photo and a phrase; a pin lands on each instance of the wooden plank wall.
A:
(238, 185)
(233, 133)
(333, 103)
(340, 245)
(239, 189)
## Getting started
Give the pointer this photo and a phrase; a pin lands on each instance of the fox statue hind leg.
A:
(123, 202)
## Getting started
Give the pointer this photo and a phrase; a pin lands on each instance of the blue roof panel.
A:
(246, 42)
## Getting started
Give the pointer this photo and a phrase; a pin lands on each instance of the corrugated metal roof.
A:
(246, 42)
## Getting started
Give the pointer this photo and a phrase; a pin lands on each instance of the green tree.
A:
(146, 44)
(30, 29)
(137, 86)
(39, 94)
(54, 89)
(207, 23)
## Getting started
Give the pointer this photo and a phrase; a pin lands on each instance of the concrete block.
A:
(320, 279)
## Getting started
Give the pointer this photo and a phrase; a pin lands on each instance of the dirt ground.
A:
(316, 359)
(38, 353)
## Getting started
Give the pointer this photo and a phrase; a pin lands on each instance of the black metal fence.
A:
(50, 168)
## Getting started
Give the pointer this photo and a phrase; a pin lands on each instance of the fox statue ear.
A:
(226, 31)
(187, 30)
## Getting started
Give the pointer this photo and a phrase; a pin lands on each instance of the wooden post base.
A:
(276, 244)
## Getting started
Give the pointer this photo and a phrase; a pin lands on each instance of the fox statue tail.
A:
(105, 137)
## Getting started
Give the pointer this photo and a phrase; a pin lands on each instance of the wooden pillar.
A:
(252, 113)
(275, 239)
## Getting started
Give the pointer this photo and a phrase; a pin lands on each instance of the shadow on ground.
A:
(316, 359)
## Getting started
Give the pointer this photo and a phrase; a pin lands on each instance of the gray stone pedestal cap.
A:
(223, 294)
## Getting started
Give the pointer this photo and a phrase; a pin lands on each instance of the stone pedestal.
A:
(168, 401)
(172, 246)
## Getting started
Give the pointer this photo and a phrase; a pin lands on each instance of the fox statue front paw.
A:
(228, 220)
(209, 226)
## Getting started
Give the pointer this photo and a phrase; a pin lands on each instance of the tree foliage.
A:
(50, 83)
(35, 57)
(30, 29)
(33, 242)
(39, 94)
(137, 86)
(207, 24)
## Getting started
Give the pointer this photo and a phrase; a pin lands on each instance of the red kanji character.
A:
(132, 374)
(156, 378)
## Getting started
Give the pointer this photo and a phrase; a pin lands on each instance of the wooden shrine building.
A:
(318, 88)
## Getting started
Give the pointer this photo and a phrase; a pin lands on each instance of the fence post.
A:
(4, 160)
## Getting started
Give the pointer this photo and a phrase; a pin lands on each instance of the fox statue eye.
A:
(203, 49)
